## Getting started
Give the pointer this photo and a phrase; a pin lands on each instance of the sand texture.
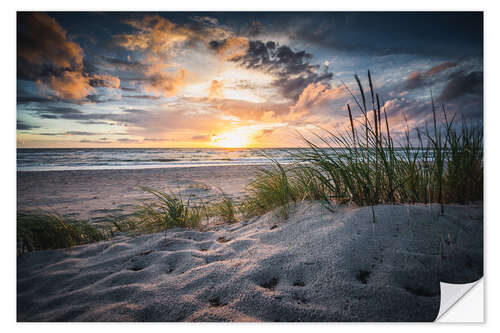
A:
(97, 194)
(315, 266)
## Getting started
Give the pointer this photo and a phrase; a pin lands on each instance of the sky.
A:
(236, 79)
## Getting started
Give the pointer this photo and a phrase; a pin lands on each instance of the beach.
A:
(315, 266)
(96, 194)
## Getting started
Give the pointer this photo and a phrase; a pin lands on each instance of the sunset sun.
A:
(237, 138)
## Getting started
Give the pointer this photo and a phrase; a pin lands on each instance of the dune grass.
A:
(363, 165)
(168, 210)
(224, 209)
(42, 231)
(269, 189)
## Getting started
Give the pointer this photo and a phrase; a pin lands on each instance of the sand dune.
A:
(315, 266)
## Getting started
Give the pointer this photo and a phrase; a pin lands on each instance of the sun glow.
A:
(237, 138)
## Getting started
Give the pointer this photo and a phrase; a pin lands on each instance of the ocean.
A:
(43, 159)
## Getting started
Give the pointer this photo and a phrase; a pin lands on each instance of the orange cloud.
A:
(69, 84)
(316, 95)
(160, 40)
(54, 47)
(157, 36)
(43, 42)
(439, 68)
(215, 89)
(164, 83)
(105, 80)
(233, 47)
(250, 111)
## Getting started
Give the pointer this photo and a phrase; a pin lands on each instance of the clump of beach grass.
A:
(225, 209)
(168, 210)
(363, 165)
(464, 177)
(269, 189)
(42, 231)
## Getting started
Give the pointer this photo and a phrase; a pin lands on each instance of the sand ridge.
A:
(314, 266)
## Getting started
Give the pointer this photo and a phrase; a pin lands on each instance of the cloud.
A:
(252, 111)
(77, 133)
(215, 89)
(69, 85)
(159, 40)
(292, 70)
(461, 85)
(46, 55)
(22, 126)
(80, 133)
(101, 140)
(123, 65)
(253, 28)
(205, 20)
(439, 68)
(414, 80)
(141, 96)
(317, 95)
(448, 36)
(104, 80)
(230, 48)
(200, 137)
(154, 139)
(32, 99)
(41, 40)
(127, 140)
(164, 83)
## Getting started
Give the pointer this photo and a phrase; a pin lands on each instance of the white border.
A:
(8, 174)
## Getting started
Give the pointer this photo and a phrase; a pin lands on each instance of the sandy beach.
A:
(95, 194)
(315, 266)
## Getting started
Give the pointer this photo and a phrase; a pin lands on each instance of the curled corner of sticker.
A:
(451, 294)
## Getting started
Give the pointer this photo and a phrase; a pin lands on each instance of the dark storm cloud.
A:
(47, 55)
(293, 69)
(461, 85)
(22, 126)
(383, 33)
(42, 44)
